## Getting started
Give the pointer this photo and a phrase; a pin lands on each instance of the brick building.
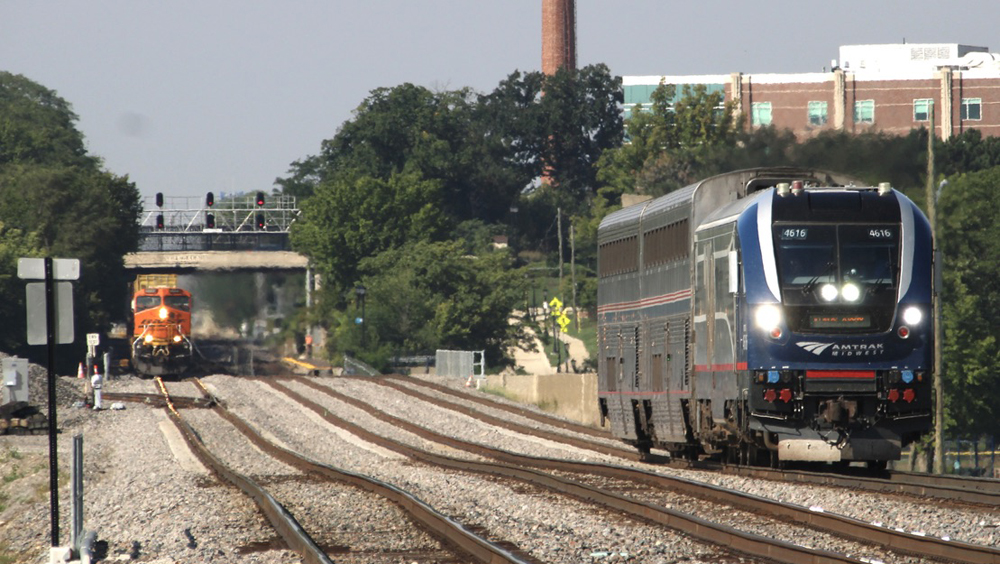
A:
(889, 88)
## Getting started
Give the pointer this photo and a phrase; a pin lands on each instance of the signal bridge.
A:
(185, 234)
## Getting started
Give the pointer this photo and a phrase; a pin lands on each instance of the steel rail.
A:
(526, 413)
(901, 541)
(696, 527)
(989, 488)
(156, 400)
(621, 452)
(280, 518)
(980, 491)
(442, 527)
(949, 488)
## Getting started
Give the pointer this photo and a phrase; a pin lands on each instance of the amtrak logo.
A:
(814, 347)
(848, 350)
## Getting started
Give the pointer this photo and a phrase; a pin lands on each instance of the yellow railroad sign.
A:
(563, 321)
(556, 304)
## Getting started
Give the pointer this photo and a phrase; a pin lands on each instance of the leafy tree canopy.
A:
(55, 200)
(968, 236)
(428, 295)
(37, 126)
(350, 218)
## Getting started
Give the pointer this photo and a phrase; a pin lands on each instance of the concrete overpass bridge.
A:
(186, 262)
(244, 232)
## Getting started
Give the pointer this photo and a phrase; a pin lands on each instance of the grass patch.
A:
(14, 474)
(548, 405)
(7, 556)
(41, 489)
(11, 454)
(498, 392)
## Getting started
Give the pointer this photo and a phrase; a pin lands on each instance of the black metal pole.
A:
(558, 351)
(50, 329)
(363, 321)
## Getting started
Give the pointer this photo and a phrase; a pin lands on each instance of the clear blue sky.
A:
(188, 97)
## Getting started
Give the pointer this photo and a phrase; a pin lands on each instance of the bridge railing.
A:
(238, 213)
(205, 241)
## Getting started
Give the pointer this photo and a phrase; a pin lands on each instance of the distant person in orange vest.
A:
(309, 345)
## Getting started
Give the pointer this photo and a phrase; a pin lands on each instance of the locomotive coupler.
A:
(838, 411)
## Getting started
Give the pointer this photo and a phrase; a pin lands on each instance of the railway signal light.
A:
(260, 199)
(159, 221)
(210, 199)
(159, 199)
(260, 221)
(210, 220)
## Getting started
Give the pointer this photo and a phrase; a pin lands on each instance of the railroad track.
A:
(460, 541)
(952, 489)
(514, 467)
(158, 400)
(976, 491)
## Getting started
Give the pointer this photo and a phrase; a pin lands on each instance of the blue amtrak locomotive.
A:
(767, 315)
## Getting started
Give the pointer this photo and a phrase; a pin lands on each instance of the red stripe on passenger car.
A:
(840, 373)
(646, 302)
(719, 367)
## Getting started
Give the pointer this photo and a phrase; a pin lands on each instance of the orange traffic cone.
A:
(468, 383)
(80, 373)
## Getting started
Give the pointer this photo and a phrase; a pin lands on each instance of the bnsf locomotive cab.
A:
(768, 315)
(161, 341)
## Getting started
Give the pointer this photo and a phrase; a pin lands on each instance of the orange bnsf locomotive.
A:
(161, 334)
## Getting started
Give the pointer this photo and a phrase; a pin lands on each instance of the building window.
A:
(972, 109)
(922, 109)
(817, 113)
(864, 111)
(760, 113)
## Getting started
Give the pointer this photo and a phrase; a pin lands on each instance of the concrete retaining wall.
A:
(573, 396)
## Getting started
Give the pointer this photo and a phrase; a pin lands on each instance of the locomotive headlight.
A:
(828, 292)
(163, 313)
(148, 339)
(768, 317)
(851, 292)
(912, 315)
(177, 338)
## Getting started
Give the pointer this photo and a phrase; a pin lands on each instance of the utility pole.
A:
(559, 229)
(572, 273)
(936, 304)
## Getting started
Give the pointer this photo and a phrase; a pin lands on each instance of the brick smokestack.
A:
(558, 35)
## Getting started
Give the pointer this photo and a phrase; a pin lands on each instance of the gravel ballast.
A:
(149, 502)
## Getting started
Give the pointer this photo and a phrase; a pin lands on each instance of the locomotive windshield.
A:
(146, 302)
(178, 302)
(838, 277)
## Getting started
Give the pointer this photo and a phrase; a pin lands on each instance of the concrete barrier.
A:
(573, 396)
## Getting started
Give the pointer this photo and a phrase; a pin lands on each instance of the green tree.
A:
(55, 200)
(351, 218)
(673, 144)
(14, 244)
(303, 176)
(968, 236)
(429, 295)
(37, 126)
(581, 109)
(901, 160)
(966, 152)
(78, 213)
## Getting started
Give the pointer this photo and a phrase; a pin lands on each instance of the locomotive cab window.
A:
(178, 302)
(838, 278)
(146, 302)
